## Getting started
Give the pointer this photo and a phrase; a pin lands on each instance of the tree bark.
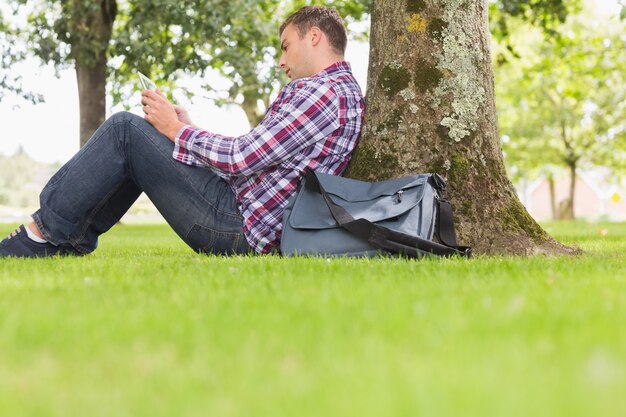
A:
(431, 108)
(552, 196)
(93, 28)
(250, 106)
(571, 215)
(91, 98)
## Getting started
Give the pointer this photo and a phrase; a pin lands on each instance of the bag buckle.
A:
(398, 196)
(438, 181)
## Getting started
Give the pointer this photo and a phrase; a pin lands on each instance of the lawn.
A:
(146, 327)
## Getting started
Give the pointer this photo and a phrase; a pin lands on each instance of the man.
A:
(220, 194)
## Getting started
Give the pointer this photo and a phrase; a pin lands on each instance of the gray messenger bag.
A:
(336, 216)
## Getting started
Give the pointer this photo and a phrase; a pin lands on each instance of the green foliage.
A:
(544, 14)
(145, 327)
(564, 102)
(63, 32)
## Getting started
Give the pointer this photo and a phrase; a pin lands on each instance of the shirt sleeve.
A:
(307, 115)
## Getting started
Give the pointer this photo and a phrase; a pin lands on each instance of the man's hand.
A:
(160, 113)
(183, 116)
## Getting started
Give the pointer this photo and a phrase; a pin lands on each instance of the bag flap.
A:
(349, 189)
(374, 201)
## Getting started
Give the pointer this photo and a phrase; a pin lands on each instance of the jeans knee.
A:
(128, 119)
(122, 117)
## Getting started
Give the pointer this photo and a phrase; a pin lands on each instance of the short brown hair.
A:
(325, 18)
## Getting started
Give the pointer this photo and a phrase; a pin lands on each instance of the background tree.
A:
(82, 34)
(564, 103)
(431, 108)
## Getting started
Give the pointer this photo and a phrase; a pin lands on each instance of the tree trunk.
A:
(251, 107)
(552, 196)
(571, 161)
(431, 108)
(93, 28)
(570, 213)
(91, 97)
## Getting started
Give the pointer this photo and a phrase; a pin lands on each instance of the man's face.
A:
(296, 53)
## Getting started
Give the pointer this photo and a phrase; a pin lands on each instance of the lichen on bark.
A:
(391, 122)
(393, 79)
(435, 29)
(515, 217)
(426, 76)
(461, 61)
(415, 6)
(416, 23)
(372, 163)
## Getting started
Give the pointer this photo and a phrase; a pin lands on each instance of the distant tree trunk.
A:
(571, 161)
(570, 213)
(253, 92)
(93, 29)
(250, 106)
(431, 108)
(552, 196)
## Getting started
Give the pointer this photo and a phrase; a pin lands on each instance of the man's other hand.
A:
(160, 113)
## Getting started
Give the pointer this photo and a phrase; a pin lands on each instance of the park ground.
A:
(146, 327)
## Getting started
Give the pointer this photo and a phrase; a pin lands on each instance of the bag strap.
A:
(388, 239)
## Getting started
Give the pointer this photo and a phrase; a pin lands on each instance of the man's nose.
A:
(281, 61)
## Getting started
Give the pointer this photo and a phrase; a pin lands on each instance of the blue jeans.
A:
(124, 157)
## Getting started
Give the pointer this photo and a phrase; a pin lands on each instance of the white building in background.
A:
(595, 197)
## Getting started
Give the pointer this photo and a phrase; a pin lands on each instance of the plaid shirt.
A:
(314, 123)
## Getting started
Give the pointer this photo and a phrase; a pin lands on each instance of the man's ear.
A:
(315, 34)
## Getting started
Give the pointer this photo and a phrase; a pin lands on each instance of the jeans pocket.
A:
(206, 240)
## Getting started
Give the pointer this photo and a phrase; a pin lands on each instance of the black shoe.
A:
(19, 245)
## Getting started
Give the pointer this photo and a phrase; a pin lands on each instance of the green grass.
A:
(145, 327)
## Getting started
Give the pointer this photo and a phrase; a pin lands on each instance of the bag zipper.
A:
(398, 196)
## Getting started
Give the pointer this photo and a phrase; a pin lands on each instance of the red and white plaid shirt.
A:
(315, 123)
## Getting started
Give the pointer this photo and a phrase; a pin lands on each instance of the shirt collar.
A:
(336, 68)
(341, 66)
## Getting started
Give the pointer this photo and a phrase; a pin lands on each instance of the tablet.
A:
(146, 82)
